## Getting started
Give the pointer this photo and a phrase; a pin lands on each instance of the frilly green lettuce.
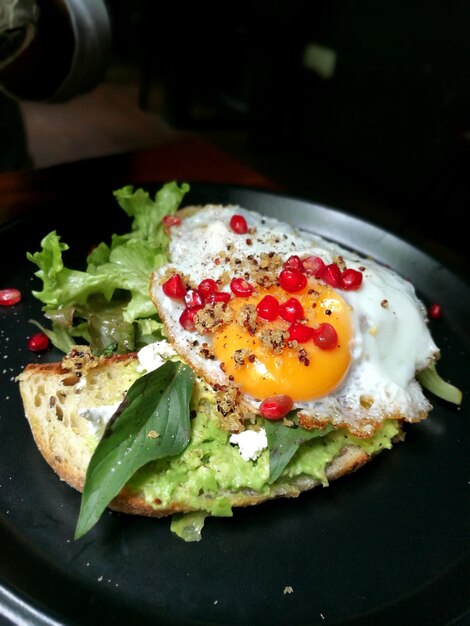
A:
(107, 303)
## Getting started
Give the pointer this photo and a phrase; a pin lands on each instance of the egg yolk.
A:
(302, 371)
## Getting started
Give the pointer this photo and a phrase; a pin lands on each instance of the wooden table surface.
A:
(182, 160)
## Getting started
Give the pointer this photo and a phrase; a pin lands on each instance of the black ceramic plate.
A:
(386, 545)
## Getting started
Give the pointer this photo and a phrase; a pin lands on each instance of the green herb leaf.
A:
(151, 423)
(284, 441)
(430, 379)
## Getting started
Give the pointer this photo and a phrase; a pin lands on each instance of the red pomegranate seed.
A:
(325, 337)
(238, 224)
(207, 287)
(9, 296)
(276, 407)
(292, 280)
(242, 288)
(170, 220)
(314, 266)
(193, 298)
(187, 317)
(435, 311)
(268, 308)
(291, 310)
(38, 342)
(219, 296)
(300, 332)
(174, 287)
(351, 279)
(332, 275)
(294, 263)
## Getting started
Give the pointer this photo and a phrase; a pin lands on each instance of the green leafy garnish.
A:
(112, 293)
(148, 214)
(431, 380)
(284, 441)
(59, 336)
(151, 423)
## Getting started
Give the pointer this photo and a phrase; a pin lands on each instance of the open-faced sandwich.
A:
(216, 358)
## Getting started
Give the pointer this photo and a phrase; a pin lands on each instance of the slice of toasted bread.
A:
(54, 396)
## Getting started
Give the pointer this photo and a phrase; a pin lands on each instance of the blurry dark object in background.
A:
(12, 134)
(375, 92)
(199, 52)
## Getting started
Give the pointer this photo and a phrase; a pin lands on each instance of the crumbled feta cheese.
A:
(154, 355)
(250, 443)
(98, 416)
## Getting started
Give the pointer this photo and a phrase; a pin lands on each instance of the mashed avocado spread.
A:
(165, 443)
(210, 475)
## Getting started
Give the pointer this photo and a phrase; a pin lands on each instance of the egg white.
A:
(391, 339)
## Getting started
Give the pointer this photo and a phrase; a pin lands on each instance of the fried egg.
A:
(255, 304)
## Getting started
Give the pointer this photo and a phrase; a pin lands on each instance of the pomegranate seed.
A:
(325, 337)
(174, 287)
(291, 310)
(294, 263)
(238, 224)
(207, 287)
(193, 298)
(276, 407)
(300, 332)
(314, 266)
(268, 308)
(292, 280)
(9, 296)
(170, 220)
(351, 279)
(435, 311)
(332, 275)
(38, 342)
(219, 296)
(187, 317)
(242, 288)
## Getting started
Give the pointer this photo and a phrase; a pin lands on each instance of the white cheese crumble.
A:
(81, 383)
(152, 356)
(98, 416)
(250, 443)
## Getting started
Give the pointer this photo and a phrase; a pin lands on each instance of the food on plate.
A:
(227, 358)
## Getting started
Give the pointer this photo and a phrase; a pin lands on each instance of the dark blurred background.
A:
(361, 105)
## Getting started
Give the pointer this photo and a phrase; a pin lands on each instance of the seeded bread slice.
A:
(53, 396)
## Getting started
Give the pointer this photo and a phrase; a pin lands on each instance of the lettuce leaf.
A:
(117, 274)
(147, 214)
(63, 286)
(433, 382)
